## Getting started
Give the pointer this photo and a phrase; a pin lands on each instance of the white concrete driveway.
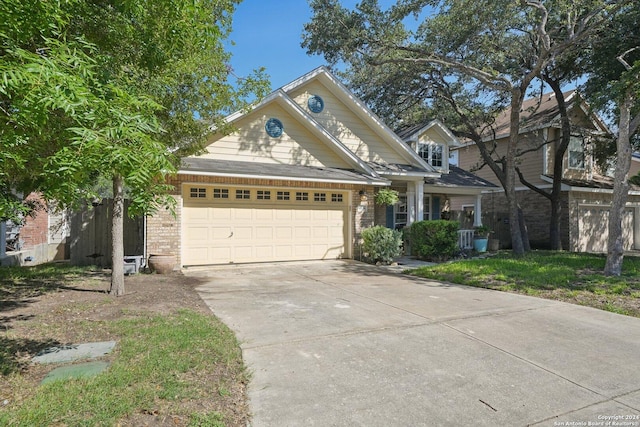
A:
(341, 343)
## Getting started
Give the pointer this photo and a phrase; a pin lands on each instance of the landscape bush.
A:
(434, 240)
(382, 244)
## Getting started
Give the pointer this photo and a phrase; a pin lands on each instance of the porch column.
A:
(411, 202)
(420, 200)
(477, 217)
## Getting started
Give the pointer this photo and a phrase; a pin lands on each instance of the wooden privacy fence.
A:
(90, 235)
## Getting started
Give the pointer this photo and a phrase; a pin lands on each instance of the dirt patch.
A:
(65, 312)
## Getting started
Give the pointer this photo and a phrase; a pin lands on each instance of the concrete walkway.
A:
(340, 343)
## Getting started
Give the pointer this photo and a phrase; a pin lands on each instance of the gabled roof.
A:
(283, 98)
(458, 177)
(412, 132)
(598, 183)
(323, 75)
(541, 112)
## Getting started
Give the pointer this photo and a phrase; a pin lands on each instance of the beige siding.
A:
(347, 126)
(250, 143)
(530, 164)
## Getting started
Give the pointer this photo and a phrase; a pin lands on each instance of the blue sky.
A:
(268, 34)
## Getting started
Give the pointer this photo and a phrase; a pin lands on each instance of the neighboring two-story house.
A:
(586, 192)
(297, 180)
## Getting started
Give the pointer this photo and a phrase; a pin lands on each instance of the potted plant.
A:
(481, 238)
(386, 196)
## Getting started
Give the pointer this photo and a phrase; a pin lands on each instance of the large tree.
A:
(495, 48)
(119, 89)
(614, 87)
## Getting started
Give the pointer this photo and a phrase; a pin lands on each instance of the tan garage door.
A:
(224, 225)
(594, 232)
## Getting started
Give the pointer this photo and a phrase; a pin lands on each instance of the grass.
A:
(570, 277)
(158, 358)
(171, 365)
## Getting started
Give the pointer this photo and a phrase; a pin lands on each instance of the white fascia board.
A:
(458, 191)
(305, 78)
(310, 123)
(376, 182)
(416, 175)
(242, 113)
(376, 125)
(442, 129)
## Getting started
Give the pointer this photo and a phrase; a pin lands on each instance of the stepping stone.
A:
(89, 369)
(74, 352)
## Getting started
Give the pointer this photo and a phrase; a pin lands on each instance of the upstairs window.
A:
(576, 153)
(432, 154)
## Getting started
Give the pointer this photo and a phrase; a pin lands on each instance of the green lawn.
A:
(570, 277)
(159, 358)
(172, 364)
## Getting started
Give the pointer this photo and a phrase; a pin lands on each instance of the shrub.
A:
(434, 240)
(382, 244)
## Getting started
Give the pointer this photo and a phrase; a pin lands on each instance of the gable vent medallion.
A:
(316, 104)
(274, 127)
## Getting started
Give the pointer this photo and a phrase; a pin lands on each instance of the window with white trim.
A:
(576, 153)
(400, 213)
(263, 195)
(302, 196)
(283, 195)
(427, 208)
(319, 197)
(197, 193)
(336, 197)
(220, 193)
(243, 194)
(432, 153)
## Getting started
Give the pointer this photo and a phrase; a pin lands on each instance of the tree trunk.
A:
(615, 243)
(524, 232)
(555, 240)
(510, 174)
(117, 235)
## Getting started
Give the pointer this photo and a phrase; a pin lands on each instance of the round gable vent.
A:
(316, 104)
(274, 127)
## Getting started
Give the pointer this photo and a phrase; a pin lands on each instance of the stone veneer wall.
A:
(164, 230)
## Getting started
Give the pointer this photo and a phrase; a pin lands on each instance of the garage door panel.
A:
(197, 234)
(264, 215)
(302, 215)
(243, 233)
(218, 231)
(243, 214)
(284, 233)
(594, 229)
(263, 232)
(283, 252)
(283, 215)
(320, 232)
(221, 214)
(302, 232)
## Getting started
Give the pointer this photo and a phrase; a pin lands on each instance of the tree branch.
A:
(527, 184)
